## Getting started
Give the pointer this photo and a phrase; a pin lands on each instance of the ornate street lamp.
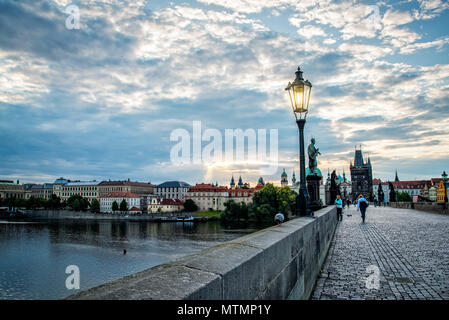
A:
(299, 92)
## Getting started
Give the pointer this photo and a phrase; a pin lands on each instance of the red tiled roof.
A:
(377, 181)
(203, 187)
(174, 202)
(120, 195)
(413, 184)
(134, 208)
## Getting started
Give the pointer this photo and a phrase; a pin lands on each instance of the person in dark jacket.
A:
(362, 204)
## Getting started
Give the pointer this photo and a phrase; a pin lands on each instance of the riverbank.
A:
(80, 215)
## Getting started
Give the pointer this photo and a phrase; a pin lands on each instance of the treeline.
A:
(75, 202)
(403, 197)
(267, 202)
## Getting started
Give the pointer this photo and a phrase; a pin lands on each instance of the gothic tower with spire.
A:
(361, 175)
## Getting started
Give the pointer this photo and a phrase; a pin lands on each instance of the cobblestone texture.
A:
(410, 249)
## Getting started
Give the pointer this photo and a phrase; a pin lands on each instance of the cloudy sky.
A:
(100, 100)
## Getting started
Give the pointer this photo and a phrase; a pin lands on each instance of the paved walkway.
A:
(408, 249)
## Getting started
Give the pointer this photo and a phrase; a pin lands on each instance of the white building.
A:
(385, 189)
(65, 189)
(106, 201)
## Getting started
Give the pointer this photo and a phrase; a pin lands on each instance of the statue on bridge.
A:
(313, 152)
(392, 192)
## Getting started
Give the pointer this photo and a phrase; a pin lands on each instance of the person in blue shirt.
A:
(362, 204)
(339, 205)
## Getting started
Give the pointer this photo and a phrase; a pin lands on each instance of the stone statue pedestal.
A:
(313, 189)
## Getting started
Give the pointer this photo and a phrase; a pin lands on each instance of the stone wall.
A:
(280, 262)
(423, 206)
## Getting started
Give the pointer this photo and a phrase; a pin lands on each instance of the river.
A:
(34, 255)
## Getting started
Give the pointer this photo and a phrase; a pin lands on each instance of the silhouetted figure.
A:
(124, 251)
(392, 193)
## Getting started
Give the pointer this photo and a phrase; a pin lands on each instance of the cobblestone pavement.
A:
(408, 249)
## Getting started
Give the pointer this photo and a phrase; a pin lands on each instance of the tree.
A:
(269, 200)
(123, 206)
(286, 198)
(190, 206)
(81, 203)
(76, 205)
(54, 202)
(114, 206)
(234, 212)
(403, 197)
(95, 206)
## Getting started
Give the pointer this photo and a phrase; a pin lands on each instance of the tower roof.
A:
(358, 158)
(284, 174)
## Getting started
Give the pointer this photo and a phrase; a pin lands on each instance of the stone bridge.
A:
(396, 254)
(408, 249)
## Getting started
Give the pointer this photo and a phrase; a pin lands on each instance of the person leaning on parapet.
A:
(279, 218)
(339, 205)
(362, 204)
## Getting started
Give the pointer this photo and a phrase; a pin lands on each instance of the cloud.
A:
(101, 101)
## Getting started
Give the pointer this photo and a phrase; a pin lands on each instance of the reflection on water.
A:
(34, 256)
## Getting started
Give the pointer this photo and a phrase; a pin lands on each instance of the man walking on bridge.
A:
(362, 204)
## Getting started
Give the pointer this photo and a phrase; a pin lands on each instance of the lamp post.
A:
(299, 92)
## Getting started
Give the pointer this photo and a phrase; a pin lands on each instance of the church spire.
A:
(240, 182)
(396, 178)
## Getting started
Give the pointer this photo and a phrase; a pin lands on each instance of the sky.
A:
(98, 97)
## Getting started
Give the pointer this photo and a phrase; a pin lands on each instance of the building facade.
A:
(441, 192)
(106, 201)
(208, 196)
(143, 189)
(172, 190)
(412, 187)
(159, 205)
(11, 189)
(42, 191)
(361, 175)
(86, 189)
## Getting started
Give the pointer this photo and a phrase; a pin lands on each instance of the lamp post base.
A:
(302, 203)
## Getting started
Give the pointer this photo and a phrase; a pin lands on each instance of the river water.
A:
(34, 255)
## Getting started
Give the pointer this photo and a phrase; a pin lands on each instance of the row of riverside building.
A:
(141, 197)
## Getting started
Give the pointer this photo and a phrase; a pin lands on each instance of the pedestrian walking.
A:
(339, 205)
(362, 204)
